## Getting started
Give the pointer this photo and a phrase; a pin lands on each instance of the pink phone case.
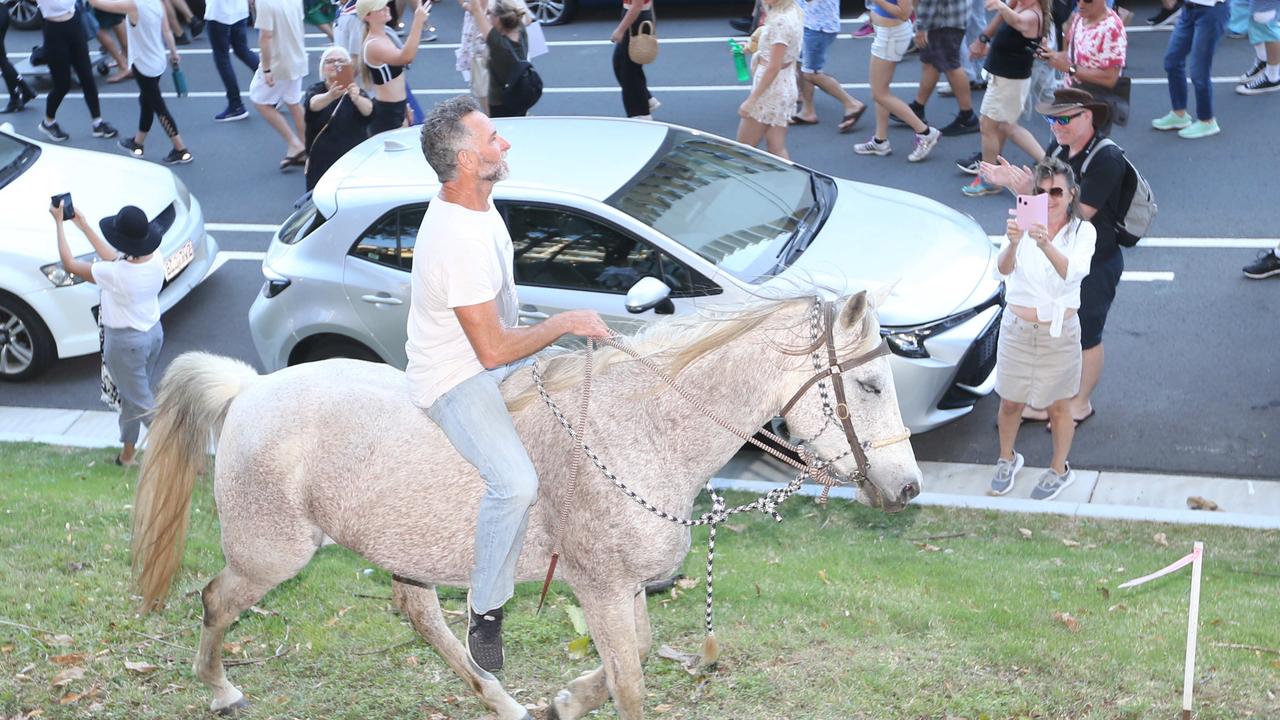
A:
(1032, 210)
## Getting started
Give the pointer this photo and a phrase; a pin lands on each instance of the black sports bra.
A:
(380, 74)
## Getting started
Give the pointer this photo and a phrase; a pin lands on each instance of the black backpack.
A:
(522, 89)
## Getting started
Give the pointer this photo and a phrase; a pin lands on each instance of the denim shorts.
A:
(813, 56)
(891, 42)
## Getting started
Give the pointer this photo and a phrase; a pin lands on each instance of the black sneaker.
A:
(1267, 265)
(484, 638)
(178, 157)
(963, 124)
(970, 164)
(183, 39)
(130, 146)
(53, 132)
(916, 108)
(1254, 71)
(1258, 86)
(103, 129)
(197, 26)
(1165, 14)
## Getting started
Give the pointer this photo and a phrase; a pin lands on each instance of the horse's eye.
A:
(868, 388)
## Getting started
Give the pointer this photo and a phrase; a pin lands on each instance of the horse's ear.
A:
(880, 294)
(854, 310)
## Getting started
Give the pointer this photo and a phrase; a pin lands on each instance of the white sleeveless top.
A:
(147, 52)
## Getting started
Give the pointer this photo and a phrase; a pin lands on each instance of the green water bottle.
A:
(739, 61)
(179, 80)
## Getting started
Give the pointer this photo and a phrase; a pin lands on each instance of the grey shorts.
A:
(943, 49)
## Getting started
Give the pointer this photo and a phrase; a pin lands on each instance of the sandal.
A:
(122, 463)
(850, 121)
(797, 120)
(291, 160)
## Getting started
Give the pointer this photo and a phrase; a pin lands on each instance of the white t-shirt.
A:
(284, 20)
(1036, 284)
(56, 8)
(227, 12)
(130, 292)
(461, 257)
(146, 39)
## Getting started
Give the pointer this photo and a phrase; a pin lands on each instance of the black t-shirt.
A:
(1012, 54)
(1099, 188)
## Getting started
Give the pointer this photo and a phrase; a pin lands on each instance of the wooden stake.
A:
(1193, 618)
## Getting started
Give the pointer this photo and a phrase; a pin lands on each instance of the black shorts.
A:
(943, 49)
(107, 20)
(1097, 291)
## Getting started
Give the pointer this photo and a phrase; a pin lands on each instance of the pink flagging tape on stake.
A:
(1177, 565)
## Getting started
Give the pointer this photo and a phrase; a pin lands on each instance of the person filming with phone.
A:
(130, 275)
(1046, 252)
(337, 113)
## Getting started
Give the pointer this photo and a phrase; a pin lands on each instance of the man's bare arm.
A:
(497, 345)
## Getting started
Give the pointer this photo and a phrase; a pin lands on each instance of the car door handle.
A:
(381, 299)
(530, 312)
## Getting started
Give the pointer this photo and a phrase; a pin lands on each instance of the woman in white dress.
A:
(767, 111)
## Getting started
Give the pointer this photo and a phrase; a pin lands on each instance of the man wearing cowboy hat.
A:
(131, 279)
(1075, 118)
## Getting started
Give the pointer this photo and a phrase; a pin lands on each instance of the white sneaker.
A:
(925, 144)
(654, 104)
(873, 147)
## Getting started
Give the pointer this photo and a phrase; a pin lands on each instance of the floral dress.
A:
(777, 103)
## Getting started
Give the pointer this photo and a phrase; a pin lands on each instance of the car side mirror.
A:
(650, 293)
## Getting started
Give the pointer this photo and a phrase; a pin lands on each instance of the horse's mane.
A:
(673, 343)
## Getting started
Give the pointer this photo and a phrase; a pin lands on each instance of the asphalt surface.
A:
(1191, 385)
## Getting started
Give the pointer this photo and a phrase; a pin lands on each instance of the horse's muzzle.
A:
(877, 499)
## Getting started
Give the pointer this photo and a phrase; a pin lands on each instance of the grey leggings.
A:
(131, 356)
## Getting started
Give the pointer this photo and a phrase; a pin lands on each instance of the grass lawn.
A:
(845, 613)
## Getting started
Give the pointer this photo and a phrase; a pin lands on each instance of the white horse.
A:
(336, 448)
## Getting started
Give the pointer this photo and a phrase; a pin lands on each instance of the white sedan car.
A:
(45, 312)
(596, 205)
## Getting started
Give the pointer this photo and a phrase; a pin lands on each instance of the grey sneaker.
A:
(873, 147)
(1002, 481)
(925, 144)
(1052, 484)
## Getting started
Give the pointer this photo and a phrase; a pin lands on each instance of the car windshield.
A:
(15, 158)
(735, 207)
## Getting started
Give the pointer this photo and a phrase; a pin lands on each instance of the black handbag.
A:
(1116, 98)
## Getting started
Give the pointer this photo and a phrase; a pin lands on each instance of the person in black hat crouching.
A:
(130, 276)
(1075, 119)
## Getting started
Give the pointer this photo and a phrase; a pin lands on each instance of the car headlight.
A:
(184, 194)
(910, 341)
(59, 276)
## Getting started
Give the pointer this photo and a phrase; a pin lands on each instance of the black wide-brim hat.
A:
(130, 232)
(1067, 99)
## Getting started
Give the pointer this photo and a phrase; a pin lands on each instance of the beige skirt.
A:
(1034, 367)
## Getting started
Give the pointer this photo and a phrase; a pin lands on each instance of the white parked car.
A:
(595, 205)
(45, 312)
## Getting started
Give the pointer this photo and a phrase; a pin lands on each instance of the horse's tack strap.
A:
(872, 354)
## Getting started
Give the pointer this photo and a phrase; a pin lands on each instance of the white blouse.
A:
(1036, 284)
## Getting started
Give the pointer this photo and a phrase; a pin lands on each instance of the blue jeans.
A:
(223, 38)
(1197, 34)
(474, 417)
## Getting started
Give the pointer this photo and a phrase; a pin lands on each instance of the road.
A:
(1191, 385)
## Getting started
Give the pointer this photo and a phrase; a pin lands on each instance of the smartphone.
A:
(346, 75)
(1032, 210)
(68, 210)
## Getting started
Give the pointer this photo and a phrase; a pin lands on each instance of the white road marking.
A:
(241, 227)
(225, 256)
(1146, 276)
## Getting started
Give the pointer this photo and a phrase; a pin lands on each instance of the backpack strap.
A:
(1098, 145)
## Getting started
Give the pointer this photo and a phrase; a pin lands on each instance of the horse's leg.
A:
(422, 607)
(588, 691)
(225, 597)
(620, 629)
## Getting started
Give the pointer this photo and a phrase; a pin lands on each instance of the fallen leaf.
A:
(1195, 502)
(411, 661)
(139, 667)
(1118, 607)
(1106, 594)
(1025, 533)
(68, 676)
(580, 647)
(259, 611)
(70, 659)
(928, 548)
(1066, 619)
(1070, 543)
(68, 698)
(686, 583)
(733, 528)
(687, 660)
(577, 618)
(663, 708)
(822, 575)
(6, 649)
(1161, 540)
(60, 640)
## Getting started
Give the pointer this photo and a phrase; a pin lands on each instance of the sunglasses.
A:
(1054, 192)
(1061, 119)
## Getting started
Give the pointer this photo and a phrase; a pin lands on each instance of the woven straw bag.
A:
(643, 48)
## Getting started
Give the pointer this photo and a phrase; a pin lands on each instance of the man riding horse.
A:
(464, 338)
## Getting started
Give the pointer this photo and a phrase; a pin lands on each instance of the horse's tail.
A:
(194, 396)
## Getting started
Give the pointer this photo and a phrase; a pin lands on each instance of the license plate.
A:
(174, 263)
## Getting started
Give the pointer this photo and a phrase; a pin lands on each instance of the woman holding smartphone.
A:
(1038, 356)
(337, 114)
(386, 60)
(130, 276)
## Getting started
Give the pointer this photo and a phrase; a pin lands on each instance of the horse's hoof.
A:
(561, 697)
(234, 708)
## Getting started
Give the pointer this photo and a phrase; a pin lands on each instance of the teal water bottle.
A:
(179, 80)
(739, 61)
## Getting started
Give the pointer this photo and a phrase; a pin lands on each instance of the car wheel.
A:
(26, 347)
(553, 12)
(25, 15)
(337, 347)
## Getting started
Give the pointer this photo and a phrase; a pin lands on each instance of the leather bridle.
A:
(835, 370)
